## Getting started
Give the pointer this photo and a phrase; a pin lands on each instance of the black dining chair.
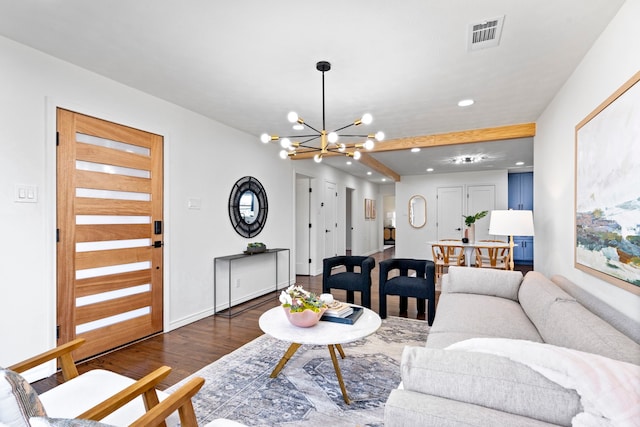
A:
(421, 286)
(350, 280)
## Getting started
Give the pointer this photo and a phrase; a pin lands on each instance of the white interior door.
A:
(303, 221)
(450, 219)
(329, 212)
(481, 198)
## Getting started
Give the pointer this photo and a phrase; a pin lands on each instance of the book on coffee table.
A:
(348, 320)
(338, 309)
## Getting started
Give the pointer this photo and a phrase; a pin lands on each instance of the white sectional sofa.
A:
(444, 386)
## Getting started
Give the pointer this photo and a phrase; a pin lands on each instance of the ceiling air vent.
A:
(485, 34)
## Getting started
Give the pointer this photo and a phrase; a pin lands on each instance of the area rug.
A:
(306, 392)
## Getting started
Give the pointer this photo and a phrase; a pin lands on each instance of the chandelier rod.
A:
(324, 126)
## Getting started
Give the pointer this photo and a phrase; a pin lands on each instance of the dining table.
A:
(468, 247)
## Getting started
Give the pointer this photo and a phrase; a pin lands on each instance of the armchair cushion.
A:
(64, 422)
(87, 395)
(18, 400)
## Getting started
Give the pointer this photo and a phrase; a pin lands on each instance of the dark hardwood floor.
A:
(192, 347)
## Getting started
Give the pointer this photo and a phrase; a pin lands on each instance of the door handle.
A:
(458, 229)
(327, 231)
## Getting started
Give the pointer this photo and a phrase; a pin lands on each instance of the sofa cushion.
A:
(575, 327)
(621, 322)
(18, 400)
(563, 321)
(488, 380)
(409, 409)
(536, 295)
(497, 283)
(463, 316)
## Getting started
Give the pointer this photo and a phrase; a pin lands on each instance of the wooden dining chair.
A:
(491, 257)
(445, 255)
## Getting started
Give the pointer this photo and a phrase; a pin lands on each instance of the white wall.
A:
(202, 160)
(412, 242)
(612, 60)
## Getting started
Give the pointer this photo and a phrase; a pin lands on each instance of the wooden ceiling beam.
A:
(524, 130)
(379, 167)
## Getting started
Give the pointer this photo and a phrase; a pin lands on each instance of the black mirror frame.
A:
(248, 183)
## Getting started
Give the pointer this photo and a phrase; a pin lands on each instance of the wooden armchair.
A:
(109, 397)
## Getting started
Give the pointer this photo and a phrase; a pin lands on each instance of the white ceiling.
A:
(248, 63)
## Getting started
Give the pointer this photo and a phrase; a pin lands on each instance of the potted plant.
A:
(470, 222)
(255, 248)
(303, 308)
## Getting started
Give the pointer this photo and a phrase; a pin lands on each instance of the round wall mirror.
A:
(417, 211)
(248, 207)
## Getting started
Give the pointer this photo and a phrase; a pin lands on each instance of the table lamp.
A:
(511, 223)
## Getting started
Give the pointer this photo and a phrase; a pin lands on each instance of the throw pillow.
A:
(18, 400)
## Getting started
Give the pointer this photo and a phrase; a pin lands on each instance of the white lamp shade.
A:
(511, 223)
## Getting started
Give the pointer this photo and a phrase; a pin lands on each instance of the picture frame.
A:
(367, 209)
(607, 194)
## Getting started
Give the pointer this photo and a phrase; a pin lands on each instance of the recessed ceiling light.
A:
(465, 102)
(429, 169)
(349, 162)
(519, 163)
(369, 173)
(298, 126)
(384, 179)
(415, 150)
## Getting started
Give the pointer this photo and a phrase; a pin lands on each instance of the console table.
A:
(230, 259)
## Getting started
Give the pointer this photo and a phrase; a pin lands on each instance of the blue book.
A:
(349, 320)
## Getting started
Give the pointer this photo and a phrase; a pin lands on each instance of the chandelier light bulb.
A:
(379, 136)
(265, 138)
(284, 154)
(317, 158)
(292, 117)
(356, 155)
(285, 143)
(368, 145)
(332, 137)
(366, 119)
(342, 147)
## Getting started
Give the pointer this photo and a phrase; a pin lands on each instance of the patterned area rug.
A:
(306, 392)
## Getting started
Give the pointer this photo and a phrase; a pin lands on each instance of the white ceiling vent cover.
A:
(485, 34)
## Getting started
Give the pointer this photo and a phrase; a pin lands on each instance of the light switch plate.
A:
(194, 203)
(26, 193)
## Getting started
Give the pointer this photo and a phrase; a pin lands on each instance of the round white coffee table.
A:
(275, 323)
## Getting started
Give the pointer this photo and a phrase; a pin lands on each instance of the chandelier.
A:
(329, 142)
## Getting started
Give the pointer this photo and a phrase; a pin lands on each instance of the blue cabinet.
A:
(521, 198)
(521, 191)
(523, 251)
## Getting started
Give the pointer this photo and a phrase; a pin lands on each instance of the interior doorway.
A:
(303, 225)
(348, 229)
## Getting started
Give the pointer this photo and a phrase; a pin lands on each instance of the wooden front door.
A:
(109, 220)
